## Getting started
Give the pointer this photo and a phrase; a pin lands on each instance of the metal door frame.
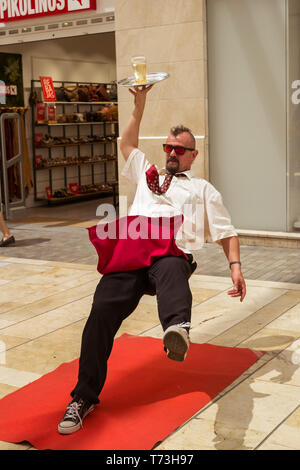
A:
(6, 164)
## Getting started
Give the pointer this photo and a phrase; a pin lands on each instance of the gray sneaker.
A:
(176, 341)
(75, 413)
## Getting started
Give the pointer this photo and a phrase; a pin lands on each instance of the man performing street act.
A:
(162, 195)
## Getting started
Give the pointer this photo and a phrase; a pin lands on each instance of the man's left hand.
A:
(239, 285)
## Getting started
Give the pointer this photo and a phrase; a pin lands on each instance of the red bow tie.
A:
(153, 180)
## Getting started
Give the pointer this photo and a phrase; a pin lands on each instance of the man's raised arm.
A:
(130, 136)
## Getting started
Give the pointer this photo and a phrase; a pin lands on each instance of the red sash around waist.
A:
(134, 242)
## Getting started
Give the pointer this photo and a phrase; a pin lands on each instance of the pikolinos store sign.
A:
(14, 10)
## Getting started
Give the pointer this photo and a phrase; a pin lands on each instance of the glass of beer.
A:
(139, 69)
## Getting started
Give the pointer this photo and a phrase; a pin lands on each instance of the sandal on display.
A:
(47, 140)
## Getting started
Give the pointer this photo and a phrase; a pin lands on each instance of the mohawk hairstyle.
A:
(176, 130)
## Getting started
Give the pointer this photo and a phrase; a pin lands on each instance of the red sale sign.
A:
(48, 192)
(14, 10)
(48, 89)
(74, 188)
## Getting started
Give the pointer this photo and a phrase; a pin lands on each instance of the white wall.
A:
(294, 116)
(84, 58)
(247, 109)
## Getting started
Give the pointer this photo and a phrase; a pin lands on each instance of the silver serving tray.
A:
(151, 79)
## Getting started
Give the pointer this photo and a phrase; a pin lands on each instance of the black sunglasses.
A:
(179, 150)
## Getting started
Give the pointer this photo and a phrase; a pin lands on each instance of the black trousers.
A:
(116, 297)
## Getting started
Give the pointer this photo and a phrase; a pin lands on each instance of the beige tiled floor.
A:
(44, 306)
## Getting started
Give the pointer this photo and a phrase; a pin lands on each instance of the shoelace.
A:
(185, 325)
(73, 411)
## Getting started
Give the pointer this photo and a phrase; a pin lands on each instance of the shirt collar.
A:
(188, 173)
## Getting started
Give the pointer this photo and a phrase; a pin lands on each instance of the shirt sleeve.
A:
(136, 166)
(218, 218)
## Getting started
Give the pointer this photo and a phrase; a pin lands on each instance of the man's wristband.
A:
(234, 262)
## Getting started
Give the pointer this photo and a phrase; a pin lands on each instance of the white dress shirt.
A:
(195, 198)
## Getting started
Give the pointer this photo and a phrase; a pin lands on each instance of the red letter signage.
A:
(14, 10)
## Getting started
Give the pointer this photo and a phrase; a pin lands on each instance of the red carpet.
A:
(145, 398)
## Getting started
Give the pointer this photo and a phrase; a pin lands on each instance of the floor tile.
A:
(15, 377)
(6, 389)
(240, 420)
(281, 306)
(44, 354)
(286, 436)
(289, 320)
(11, 446)
(204, 434)
(270, 339)
(51, 320)
(15, 271)
(50, 302)
(222, 312)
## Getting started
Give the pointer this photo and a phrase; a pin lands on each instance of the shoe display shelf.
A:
(88, 128)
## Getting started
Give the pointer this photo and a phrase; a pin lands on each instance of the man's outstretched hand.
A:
(139, 93)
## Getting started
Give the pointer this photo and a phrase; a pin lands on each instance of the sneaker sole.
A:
(176, 346)
(76, 427)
